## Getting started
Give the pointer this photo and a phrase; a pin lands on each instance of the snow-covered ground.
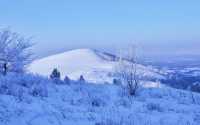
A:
(35, 100)
(95, 66)
(102, 104)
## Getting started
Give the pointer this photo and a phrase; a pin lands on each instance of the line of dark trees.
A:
(56, 77)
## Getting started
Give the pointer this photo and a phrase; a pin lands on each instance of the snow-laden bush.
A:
(114, 117)
(123, 92)
(16, 84)
(154, 107)
(57, 81)
(127, 70)
(195, 87)
(97, 102)
(117, 81)
(38, 90)
(25, 80)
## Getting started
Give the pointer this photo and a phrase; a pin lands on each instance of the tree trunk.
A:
(4, 68)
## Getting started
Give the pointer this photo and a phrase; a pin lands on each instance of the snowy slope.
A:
(28, 99)
(96, 66)
(90, 104)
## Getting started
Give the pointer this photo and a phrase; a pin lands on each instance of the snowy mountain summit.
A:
(95, 66)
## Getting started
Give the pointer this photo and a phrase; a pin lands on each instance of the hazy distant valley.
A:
(181, 72)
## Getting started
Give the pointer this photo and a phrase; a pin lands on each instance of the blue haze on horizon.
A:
(159, 27)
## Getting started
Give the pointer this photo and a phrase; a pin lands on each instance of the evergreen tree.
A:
(67, 80)
(81, 79)
(55, 74)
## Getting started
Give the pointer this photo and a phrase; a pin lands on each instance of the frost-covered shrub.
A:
(93, 95)
(127, 70)
(154, 107)
(4, 89)
(20, 93)
(123, 92)
(97, 102)
(115, 117)
(17, 84)
(38, 91)
(57, 81)
(25, 80)
(125, 102)
(195, 87)
(116, 81)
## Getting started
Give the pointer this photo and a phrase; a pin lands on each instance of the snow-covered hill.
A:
(95, 66)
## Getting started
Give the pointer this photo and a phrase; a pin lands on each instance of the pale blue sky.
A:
(158, 26)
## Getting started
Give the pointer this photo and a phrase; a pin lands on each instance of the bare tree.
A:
(127, 69)
(15, 52)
